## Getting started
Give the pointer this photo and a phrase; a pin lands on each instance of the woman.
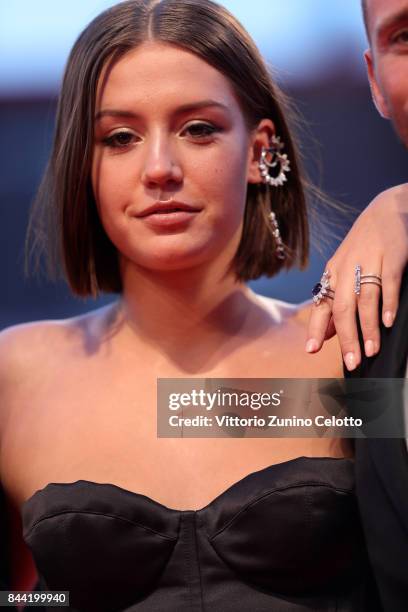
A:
(158, 185)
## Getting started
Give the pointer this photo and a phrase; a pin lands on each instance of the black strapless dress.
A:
(286, 538)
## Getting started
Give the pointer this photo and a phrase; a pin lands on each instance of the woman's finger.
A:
(344, 318)
(369, 319)
(391, 285)
(331, 330)
(320, 317)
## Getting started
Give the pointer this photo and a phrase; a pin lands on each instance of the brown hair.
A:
(64, 222)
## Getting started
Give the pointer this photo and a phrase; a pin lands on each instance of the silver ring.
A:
(373, 281)
(322, 289)
(365, 279)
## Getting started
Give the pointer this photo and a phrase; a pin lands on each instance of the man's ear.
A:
(378, 98)
(260, 137)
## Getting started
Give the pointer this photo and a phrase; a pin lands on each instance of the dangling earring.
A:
(275, 158)
(280, 247)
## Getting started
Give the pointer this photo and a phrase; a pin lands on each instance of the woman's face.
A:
(169, 134)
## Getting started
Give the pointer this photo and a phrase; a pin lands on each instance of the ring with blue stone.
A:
(322, 289)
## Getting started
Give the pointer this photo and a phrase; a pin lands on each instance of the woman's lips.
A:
(170, 213)
(169, 218)
(167, 206)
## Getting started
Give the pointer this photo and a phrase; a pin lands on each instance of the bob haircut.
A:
(64, 223)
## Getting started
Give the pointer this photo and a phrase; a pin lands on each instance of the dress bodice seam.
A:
(276, 490)
(105, 514)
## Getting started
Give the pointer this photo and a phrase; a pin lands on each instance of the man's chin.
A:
(401, 129)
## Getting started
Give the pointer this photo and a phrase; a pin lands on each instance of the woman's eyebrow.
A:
(184, 108)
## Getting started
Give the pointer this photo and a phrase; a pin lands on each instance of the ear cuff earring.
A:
(270, 158)
(273, 167)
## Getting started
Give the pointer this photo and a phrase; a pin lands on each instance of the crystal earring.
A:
(280, 247)
(270, 158)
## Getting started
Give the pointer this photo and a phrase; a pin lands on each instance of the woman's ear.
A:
(376, 93)
(260, 137)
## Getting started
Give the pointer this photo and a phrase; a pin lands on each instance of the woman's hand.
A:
(378, 242)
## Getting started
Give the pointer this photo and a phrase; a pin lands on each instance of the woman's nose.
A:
(161, 165)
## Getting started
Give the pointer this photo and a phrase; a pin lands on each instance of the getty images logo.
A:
(230, 399)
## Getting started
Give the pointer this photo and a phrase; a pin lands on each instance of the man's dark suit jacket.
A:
(382, 473)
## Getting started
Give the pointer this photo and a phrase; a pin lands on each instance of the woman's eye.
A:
(119, 140)
(200, 130)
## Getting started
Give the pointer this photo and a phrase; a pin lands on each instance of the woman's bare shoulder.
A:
(23, 351)
(297, 313)
(20, 344)
(278, 310)
(29, 344)
(296, 317)
(285, 312)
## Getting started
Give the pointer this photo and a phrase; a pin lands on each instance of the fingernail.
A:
(311, 345)
(369, 348)
(388, 318)
(350, 361)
